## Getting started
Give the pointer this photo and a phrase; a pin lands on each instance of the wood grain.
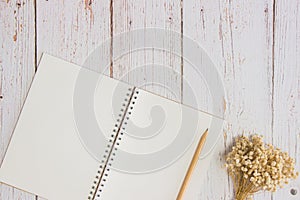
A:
(286, 86)
(17, 58)
(139, 67)
(71, 30)
(10, 193)
(238, 37)
(254, 45)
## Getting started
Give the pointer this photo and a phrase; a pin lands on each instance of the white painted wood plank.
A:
(201, 22)
(238, 37)
(286, 120)
(140, 67)
(71, 30)
(17, 58)
(10, 193)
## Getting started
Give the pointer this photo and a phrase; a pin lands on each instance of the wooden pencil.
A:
(192, 165)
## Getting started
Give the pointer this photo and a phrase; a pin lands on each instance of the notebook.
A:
(82, 135)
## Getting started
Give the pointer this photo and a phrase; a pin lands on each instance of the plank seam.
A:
(111, 9)
(35, 35)
(181, 51)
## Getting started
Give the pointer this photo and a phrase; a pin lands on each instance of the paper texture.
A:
(155, 150)
(47, 155)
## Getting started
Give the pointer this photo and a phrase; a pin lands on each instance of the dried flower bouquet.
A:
(256, 166)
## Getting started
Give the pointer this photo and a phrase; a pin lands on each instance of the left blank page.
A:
(48, 155)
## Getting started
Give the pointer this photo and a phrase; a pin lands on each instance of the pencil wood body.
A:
(192, 165)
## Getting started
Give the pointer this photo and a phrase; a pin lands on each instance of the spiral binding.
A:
(112, 147)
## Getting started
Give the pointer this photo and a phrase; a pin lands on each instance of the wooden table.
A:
(255, 45)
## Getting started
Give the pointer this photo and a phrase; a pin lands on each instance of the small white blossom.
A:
(261, 164)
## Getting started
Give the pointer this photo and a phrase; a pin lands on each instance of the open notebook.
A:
(82, 135)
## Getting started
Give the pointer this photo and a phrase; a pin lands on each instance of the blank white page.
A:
(154, 150)
(54, 152)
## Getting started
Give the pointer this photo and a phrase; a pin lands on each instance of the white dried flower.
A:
(261, 165)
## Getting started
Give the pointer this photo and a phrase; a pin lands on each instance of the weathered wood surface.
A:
(238, 37)
(286, 86)
(17, 68)
(254, 45)
(140, 67)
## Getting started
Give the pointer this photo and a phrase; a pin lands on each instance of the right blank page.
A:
(154, 148)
